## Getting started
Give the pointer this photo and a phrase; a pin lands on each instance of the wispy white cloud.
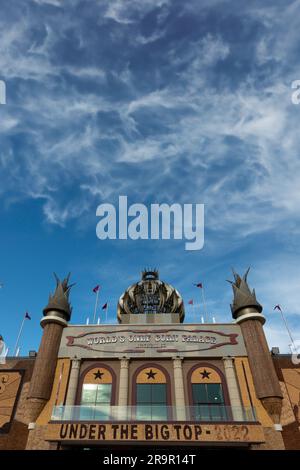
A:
(105, 102)
(132, 11)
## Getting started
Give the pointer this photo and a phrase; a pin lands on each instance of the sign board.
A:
(168, 432)
(152, 341)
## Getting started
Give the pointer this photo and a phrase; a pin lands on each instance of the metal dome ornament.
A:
(150, 296)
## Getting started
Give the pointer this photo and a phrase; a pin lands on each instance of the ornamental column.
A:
(233, 389)
(246, 311)
(123, 389)
(56, 316)
(179, 389)
(73, 382)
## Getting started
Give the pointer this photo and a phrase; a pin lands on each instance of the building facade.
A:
(151, 379)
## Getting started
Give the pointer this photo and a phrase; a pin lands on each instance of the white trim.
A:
(53, 319)
(253, 316)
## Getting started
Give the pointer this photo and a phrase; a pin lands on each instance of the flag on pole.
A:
(292, 345)
(191, 302)
(26, 317)
(96, 291)
(105, 307)
(200, 286)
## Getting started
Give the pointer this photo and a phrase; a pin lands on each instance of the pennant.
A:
(191, 302)
(104, 306)
(199, 285)
(27, 316)
(96, 288)
(277, 307)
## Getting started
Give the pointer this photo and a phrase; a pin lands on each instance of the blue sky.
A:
(162, 101)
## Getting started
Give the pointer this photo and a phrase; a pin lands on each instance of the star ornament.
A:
(151, 374)
(205, 374)
(98, 374)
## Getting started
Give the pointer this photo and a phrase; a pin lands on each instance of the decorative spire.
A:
(59, 301)
(242, 295)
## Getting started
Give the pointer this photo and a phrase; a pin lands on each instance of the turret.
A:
(247, 312)
(56, 316)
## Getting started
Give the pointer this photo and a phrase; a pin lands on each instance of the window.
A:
(151, 395)
(208, 401)
(96, 395)
(207, 395)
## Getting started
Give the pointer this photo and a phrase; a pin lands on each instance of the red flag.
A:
(199, 285)
(277, 307)
(191, 302)
(96, 288)
(27, 316)
(104, 306)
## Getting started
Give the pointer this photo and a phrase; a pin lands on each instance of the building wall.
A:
(247, 391)
(14, 432)
(36, 437)
(15, 376)
(136, 364)
(289, 377)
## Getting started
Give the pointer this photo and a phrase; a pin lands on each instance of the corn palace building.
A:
(151, 379)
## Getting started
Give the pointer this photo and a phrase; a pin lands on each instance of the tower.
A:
(56, 317)
(246, 311)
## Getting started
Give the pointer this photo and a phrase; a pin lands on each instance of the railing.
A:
(206, 413)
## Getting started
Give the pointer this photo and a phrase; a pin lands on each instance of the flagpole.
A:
(288, 330)
(20, 332)
(106, 313)
(194, 313)
(204, 305)
(96, 305)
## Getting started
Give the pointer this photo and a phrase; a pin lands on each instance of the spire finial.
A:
(60, 299)
(242, 295)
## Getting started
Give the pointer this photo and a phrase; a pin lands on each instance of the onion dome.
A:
(150, 296)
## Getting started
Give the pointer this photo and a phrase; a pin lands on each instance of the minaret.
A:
(56, 316)
(246, 311)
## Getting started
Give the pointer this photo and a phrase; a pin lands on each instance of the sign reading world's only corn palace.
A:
(154, 341)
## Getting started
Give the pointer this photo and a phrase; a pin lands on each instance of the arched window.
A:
(208, 403)
(96, 393)
(151, 394)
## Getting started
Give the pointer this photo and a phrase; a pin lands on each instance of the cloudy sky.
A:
(162, 101)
